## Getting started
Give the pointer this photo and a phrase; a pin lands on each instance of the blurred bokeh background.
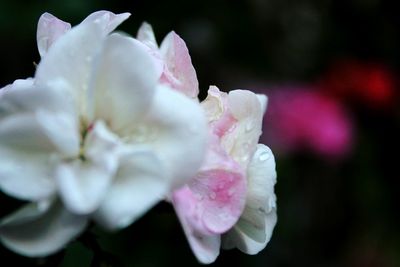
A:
(330, 69)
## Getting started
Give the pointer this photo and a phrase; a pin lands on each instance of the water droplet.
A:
(231, 129)
(264, 156)
(249, 126)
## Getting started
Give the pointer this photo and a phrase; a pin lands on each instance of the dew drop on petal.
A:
(249, 126)
(264, 156)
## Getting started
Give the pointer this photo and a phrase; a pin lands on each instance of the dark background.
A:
(330, 213)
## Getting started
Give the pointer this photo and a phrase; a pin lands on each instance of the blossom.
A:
(93, 135)
(303, 118)
(231, 197)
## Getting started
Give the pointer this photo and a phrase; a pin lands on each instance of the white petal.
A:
(176, 129)
(49, 30)
(242, 141)
(263, 99)
(239, 236)
(24, 96)
(261, 180)
(83, 184)
(40, 230)
(69, 62)
(124, 82)
(26, 176)
(139, 184)
(255, 226)
(108, 20)
(146, 36)
(30, 145)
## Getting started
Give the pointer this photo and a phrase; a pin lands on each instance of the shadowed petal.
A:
(38, 230)
(139, 184)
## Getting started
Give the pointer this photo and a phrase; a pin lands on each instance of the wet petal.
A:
(241, 142)
(179, 72)
(205, 246)
(255, 226)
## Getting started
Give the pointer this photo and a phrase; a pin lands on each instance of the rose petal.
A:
(39, 230)
(139, 184)
(124, 82)
(179, 73)
(49, 30)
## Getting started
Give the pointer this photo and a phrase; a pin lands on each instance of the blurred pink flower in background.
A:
(302, 118)
(368, 83)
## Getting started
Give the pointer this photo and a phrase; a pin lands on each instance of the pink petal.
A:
(214, 200)
(179, 71)
(204, 246)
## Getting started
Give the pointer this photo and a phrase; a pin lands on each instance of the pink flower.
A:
(303, 118)
(229, 191)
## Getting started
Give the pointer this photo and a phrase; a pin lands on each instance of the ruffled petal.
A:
(220, 190)
(179, 72)
(108, 20)
(178, 138)
(220, 119)
(124, 82)
(37, 128)
(138, 185)
(205, 246)
(38, 230)
(241, 142)
(241, 236)
(255, 226)
(83, 184)
(49, 29)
